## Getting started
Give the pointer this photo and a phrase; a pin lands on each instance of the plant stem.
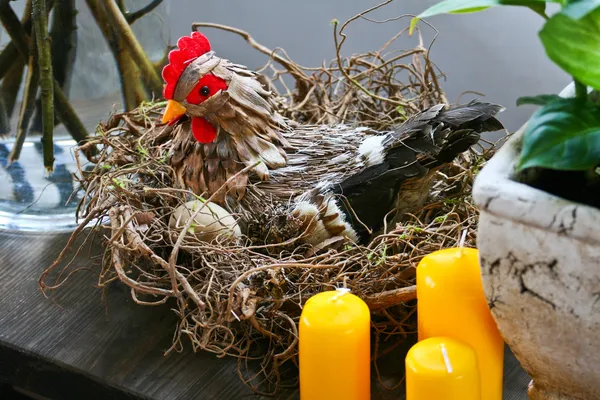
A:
(10, 52)
(28, 104)
(12, 76)
(43, 43)
(160, 64)
(64, 110)
(69, 118)
(4, 118)
(134, 16)
(64, 43)
(11, 85)
(133, 90)
(14, 28)
(136, 51)
(580, 90)
(7, 57)
(131, 86)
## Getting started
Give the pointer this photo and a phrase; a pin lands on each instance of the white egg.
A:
(211, 222)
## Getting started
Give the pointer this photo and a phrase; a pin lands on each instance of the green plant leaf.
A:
(578, 9)
(564, 134)
(575, 45)
(539, 100)
(470, 6)
(470, 10)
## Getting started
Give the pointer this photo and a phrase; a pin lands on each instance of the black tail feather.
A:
(424, 142)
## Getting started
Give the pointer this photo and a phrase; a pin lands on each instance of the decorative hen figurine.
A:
(323, 181)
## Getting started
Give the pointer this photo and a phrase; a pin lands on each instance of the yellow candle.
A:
(442, 369)
(451, 303)
(334, 347)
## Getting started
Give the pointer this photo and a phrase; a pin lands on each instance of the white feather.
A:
(371, 150)
(307, 211)
(340, 220)
(342, 158)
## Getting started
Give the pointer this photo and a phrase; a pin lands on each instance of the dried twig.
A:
(293, 68)
(391, 298)
(398, 82)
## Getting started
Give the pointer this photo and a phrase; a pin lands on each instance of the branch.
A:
(296, 72)
(14, 28)
(4, 118)
(134, 92)
(63, 108)
(136, 51)
(12, 83)
(10, 52)
(64, 43)
(338, 47)
(69, 118)
(134, 16)
(131, 86)
(28, 104)
(7, 57)
(160, 64)
(40, 21)
(12, 67)
(391, 297)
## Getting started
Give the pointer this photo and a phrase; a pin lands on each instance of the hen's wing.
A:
(402, 164)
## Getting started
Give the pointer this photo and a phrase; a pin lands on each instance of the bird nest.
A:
(245, 299)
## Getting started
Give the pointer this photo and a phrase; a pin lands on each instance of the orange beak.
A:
(174, 110)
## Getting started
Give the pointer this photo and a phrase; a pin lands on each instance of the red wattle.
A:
(203, 131)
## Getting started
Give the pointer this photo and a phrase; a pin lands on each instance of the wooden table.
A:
(80, 345)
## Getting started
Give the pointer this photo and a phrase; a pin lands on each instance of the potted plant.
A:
(539, 228)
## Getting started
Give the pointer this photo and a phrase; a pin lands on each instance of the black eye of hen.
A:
(204, 90)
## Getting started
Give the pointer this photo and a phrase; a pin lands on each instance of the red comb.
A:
(189, 48)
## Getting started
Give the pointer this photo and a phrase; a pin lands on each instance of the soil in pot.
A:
(578, 186)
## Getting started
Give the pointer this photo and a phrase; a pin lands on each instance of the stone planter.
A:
(540, 262)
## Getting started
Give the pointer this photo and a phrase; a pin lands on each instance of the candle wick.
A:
(340, 292)
(446, 358)
(463, 238)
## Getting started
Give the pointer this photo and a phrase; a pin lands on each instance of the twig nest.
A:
(211, 221)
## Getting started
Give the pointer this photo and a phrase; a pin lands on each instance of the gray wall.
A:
(496, 52)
